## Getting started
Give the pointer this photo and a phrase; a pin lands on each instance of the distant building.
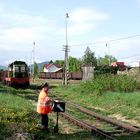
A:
(120, 65)
(51, 68)
(115, 64)
(135, 64)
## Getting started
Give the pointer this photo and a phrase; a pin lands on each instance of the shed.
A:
(88, 72)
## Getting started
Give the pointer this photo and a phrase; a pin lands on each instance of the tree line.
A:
(75, 64)
(88, 58)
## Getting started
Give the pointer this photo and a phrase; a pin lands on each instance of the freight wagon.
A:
(3, 74)
(60, 75)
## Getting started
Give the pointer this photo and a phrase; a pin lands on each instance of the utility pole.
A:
(33, 68)
(109, 59)
(66, 69)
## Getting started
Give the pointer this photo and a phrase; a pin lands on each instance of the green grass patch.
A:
(126, 103)
(16, 111)
(106, 94)
(18, 114)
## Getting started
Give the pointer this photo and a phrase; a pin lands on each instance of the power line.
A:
(113, 40)
(127, 57)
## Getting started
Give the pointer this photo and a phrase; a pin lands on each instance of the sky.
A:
(38, 28)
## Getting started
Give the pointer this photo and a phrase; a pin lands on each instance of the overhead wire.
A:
(127, 57)
(112, 40)
(108, 41)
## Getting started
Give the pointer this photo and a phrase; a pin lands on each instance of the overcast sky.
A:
(90, 23)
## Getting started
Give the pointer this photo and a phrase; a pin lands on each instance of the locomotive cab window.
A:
(22, 68)
(16, 69)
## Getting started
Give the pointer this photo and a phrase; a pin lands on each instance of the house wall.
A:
(45, 70)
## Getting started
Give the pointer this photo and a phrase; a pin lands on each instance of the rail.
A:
(109, 120)
(84, 125)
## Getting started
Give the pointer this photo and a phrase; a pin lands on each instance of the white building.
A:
(135, 64)
(51, 68)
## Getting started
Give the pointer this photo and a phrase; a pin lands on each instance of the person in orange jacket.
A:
(44, 105)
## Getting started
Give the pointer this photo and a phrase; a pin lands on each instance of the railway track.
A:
(107, 119)
(94, 130)
(118, 128)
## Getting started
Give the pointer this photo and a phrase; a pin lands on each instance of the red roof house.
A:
(52, 68)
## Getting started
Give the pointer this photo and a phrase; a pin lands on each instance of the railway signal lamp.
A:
(59, 106)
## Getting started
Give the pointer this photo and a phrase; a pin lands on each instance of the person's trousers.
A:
(44, 120)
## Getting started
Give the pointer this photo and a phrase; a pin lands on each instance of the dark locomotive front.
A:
(17, 74)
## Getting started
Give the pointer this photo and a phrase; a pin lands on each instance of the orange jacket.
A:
(44, 103)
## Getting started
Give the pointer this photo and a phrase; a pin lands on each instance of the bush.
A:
(117, 83)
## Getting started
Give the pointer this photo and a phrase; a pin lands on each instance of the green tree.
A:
(89, 58)
(59, 62)
(51, 62)
(74, 64)
(106, 60)
(35, 70)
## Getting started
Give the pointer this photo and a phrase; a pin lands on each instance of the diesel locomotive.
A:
(17, 75)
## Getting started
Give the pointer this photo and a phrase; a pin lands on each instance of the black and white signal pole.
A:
(66, 66)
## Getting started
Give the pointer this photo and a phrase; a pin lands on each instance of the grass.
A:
(108, 96)
(18, 117)
(125, 103)
(15, 111)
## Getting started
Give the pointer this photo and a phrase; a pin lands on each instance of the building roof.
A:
(52, 67)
